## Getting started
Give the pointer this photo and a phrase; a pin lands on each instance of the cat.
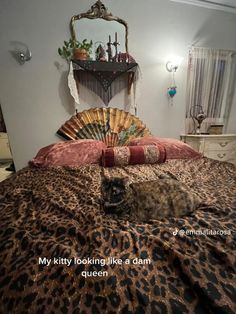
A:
(143, 201)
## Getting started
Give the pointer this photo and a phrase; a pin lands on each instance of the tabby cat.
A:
(143, 201)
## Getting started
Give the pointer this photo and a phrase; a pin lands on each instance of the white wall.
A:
(34, 97)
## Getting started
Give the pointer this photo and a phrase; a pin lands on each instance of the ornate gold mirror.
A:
(100, 26)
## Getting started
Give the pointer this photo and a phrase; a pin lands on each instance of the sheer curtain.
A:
(210, 86)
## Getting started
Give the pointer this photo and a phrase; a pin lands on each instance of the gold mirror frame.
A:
(98, 11)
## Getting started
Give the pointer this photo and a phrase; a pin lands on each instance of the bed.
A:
(60, 253)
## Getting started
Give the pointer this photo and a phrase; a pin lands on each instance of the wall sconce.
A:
(172, 66)
(20, 52)
(25, 56)
(173, 63)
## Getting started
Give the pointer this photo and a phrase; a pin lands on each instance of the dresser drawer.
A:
(220, 144)
(221, 155)
(194, 144)
(219, 147)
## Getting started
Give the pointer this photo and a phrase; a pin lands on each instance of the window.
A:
(211, 85)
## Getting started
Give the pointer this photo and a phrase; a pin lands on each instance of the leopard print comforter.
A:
(55, 213)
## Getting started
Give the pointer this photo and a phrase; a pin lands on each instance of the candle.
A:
(116, 37)
(109, 38)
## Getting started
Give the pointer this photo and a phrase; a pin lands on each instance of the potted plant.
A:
(83, 50)
(75, 49)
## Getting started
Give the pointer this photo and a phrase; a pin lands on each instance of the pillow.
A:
(125, 155)
(71, 153)
(175, 149)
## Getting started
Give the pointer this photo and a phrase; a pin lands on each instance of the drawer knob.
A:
(221, 155)
(224, 144)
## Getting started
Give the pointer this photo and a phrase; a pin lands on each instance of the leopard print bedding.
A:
(56, 212)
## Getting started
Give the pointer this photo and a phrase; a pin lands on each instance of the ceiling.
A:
(224, 5)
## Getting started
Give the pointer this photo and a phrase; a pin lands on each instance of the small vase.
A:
(80, 54)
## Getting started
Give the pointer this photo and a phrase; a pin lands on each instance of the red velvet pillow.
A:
(175, 149)
(125, 155)
(71, 153)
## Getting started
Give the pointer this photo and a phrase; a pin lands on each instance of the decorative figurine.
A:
(100, 53)
(125, 57)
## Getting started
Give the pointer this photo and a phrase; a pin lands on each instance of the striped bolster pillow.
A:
(133, 155)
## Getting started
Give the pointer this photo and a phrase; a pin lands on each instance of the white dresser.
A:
(5, 153)
(220, 147)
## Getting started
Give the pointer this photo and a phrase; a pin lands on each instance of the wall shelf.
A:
(102, 77)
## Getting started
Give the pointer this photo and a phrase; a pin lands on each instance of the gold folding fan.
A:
(113, 126)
